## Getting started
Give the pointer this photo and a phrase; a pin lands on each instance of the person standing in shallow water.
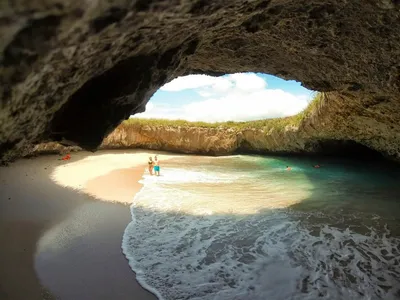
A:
(156, 166)
(151, 165)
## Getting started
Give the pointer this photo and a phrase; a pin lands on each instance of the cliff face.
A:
(178, 139)
(71, 71)
(213, 141)
(331, 126)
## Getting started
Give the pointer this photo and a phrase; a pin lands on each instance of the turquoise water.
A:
(242, 227)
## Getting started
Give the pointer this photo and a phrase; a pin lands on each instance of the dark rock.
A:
(114, 14)
(71, 71)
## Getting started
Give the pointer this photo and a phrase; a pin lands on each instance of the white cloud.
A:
(192, 82)
(149, 107)
(248, 81)
(306, 98)
(236, 97)
(159, 111)
(205, 94)
(262, 104)
(242, 81)
(222, 84)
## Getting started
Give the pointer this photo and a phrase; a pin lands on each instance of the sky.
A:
(232, 97)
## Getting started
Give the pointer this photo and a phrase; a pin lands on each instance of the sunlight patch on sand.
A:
(242, 195)
(101, 175)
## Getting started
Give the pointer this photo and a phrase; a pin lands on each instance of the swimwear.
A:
(157, 168)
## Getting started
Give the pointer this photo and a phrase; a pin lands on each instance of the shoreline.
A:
(63, 224)
(64, 241)
(61, 150)
(132, 262)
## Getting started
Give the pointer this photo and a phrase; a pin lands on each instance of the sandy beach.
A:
(61, 226)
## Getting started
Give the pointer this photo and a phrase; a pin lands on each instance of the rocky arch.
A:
(71, 71)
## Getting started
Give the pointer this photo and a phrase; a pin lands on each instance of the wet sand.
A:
(60, 233)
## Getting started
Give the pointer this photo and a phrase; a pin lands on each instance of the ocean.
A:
(242, 227)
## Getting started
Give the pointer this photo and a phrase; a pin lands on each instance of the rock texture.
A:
(326, 128)
(213, 141)
(314, 131)
(71, 71)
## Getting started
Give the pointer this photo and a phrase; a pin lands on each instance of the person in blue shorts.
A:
(156, 166)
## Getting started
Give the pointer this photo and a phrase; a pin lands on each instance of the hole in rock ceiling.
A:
(232, 97)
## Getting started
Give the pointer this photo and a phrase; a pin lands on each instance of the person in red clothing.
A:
(66, 157)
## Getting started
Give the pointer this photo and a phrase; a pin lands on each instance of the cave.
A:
(346, 149)
(72, 72)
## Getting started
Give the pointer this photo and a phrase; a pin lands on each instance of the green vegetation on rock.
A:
(266, 124)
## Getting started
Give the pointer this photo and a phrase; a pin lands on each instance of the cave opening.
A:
(280, 113)
(346, 149)
(330, 148)
(237, 97)
(250, 98)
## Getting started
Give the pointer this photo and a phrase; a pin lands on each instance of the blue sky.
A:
(232, 97)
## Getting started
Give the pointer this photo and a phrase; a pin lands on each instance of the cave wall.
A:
(332, 125)
(316, 131)
(71, 71)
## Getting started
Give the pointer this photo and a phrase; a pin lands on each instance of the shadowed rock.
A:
(71, 71)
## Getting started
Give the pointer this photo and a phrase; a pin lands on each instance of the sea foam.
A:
(274, 254)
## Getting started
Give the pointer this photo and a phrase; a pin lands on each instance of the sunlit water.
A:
(242, 227)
